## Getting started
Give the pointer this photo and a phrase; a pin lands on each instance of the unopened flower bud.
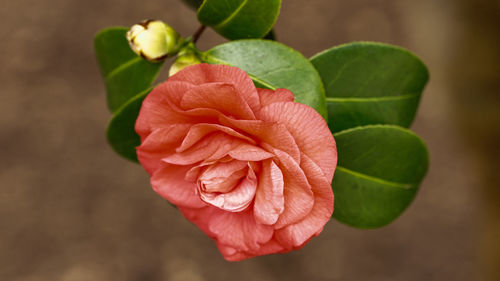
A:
(153, 40)
(186, 58)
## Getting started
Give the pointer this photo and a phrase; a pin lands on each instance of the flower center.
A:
(228, 185)
(221, 178)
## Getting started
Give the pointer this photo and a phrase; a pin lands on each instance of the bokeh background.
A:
(73, 210)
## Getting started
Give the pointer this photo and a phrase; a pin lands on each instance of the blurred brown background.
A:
(72, 210)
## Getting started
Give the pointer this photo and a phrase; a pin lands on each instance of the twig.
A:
(198, 33)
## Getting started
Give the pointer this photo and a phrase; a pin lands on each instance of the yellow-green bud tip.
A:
(153, 40)
(186, 58)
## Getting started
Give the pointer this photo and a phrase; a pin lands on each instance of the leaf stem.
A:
(198, 33)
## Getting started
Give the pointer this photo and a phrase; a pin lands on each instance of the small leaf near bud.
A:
(187, 57)
(153, 40)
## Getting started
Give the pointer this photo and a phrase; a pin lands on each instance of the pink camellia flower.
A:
(248, 166)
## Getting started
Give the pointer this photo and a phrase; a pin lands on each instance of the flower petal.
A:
(232, 254)
(248, 152)
(269, 96)
(208, 73)
(165, 139)
(169, 182)
(269, 198)
(299, 198)
(157, 111)
(236, 230)
(160, 143)
(309, 130)
(198, 131)
(219, 96)
(274, 134)
(193, 174)
(212, 147)
(299, 233)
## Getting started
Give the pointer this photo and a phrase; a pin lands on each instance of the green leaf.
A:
(121, 129)
(273, 65)
(240, 19)
(125, 73)
(370, 83)
(379, 170)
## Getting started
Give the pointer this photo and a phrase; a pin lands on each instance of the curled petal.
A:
(299, 233)
(269, 198)
(299, 198)
(309, 130)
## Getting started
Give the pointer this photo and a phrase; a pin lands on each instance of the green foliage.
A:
(378, 174)
(239, 19)
(128, 79)
(121, 129)
(273, 65)
(125, 73)
(370, 83)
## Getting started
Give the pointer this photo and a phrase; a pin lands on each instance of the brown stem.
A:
(198, 33)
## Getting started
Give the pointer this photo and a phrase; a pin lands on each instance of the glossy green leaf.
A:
(240, 19)
(378, 173)
(370, 83)
(125, 73)
(273, 65)
(121, 129)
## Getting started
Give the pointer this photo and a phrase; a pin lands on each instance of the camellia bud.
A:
(186, 58)
(153, 40)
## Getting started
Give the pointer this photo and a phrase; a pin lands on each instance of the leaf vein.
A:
(231, 16)
(378, 180)
(341, 71)
(122, 67)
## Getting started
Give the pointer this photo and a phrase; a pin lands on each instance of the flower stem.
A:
(198, 33)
